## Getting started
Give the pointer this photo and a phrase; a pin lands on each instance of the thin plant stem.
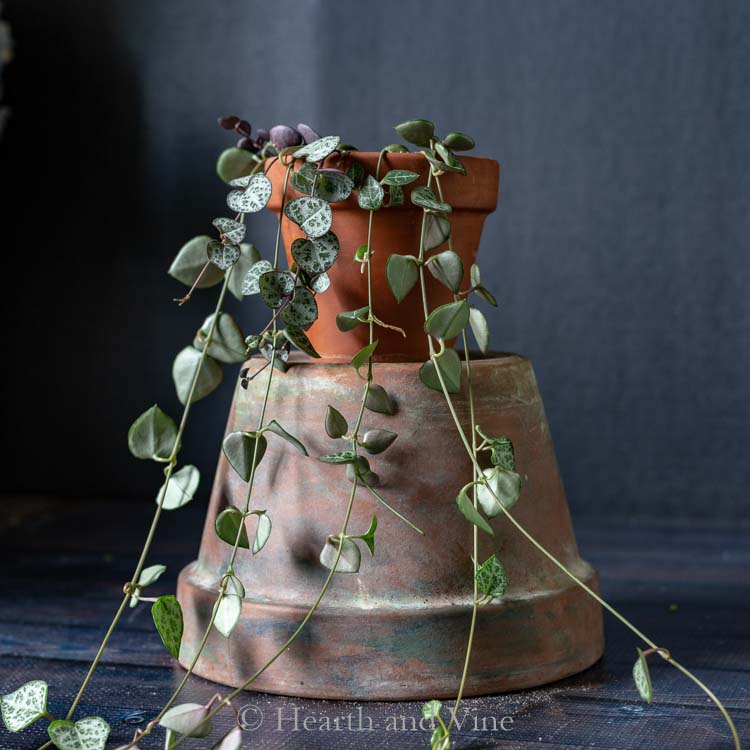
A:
(171, 462)
(478, 473)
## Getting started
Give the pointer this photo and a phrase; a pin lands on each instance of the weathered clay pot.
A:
(398, 628)
(395, 230)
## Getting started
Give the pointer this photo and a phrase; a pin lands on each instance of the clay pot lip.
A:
(475, 191)
(506, 359)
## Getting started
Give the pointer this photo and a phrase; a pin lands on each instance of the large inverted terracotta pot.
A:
(398, 628)
(395, 230)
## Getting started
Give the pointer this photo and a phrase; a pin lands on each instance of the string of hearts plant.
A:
(291, 296)
(495, 490)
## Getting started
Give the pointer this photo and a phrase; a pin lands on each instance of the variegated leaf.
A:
(254, 197)
(87, 734)
(317, 255)
(232, 231)
(24, 706)
(312, 215)
(318, 150)
(250, 284)
(302, 310)
(275, 286)
(223, 256)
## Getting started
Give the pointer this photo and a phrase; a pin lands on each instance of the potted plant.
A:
(377, 411)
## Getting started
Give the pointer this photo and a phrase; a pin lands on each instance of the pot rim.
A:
(475, 191)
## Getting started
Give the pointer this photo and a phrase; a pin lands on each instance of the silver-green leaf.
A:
(275, 287)
(448, 269)
(228, 341)
(187, 367)
(86, 734)
(318, 150)
(274, 427)
(502, 490)
(370, 196)
(254, 197)
(450, 369)
(424, 198)
(316, 256)
(312, 215)
(302, 310)
(24, 706)
(187, 719)
(223, 256)
(191, 260)
(399, 177)
(471, 513)
(491, 578)
(447, 321)
(152, 435)
(350, 558)
(262, 532)
(642, 678)
(167, 615)
(180, 489)
(251, 281)
(228, 524)
(402, 273)
(241, 448)
(480, 329)
(231, 231)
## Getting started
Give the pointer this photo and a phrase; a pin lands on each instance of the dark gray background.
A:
(619, 250)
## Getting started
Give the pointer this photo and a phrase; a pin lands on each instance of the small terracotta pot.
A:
(395, 230)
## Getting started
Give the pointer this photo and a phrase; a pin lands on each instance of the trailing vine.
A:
(495, 490)
(290, 294)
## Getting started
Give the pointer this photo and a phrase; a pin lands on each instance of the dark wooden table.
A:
(686, 584)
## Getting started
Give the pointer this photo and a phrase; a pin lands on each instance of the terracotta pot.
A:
(398, 628)
(395, 230)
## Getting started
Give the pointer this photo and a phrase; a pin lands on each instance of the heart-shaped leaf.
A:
(299, 338)
(447, 321)
(401, 272)
(230, 230)
(471, 513)
(223, 256)
(342, 457)
(377, 400)
(480, 329)
(424, 197)
(167, 615)
(316, 256)
(152, 435)
(346, 321)
(370, 195)
(458, 142)
(447, 268)
(251, 282)
(431, 709)
(318, 150)
(87, 734)
(491, 578)
(302, 310)
(191, 260)
(333, 186)
(320, 283)
(336, 425)
(254, 197)
(187, 719)
(249, 256)
(437, 231)
(180, 489)
(450, 162)
(450, 368)
(362, 357)
(304, 178)
(150, 575)
(503, 454)
(399, 177)
(376, 441)
(418, 132)
(240, 448)
(235, 162)
(312, 215)
(24, 706)
(230, 741)
(228, 524)
(262, 532)
(502, 490)
(642, 678)
(275, 287)
(228, 341)
(349, 560)
(360, 469)
(187, 367)
(228, 612)
(274, 427)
